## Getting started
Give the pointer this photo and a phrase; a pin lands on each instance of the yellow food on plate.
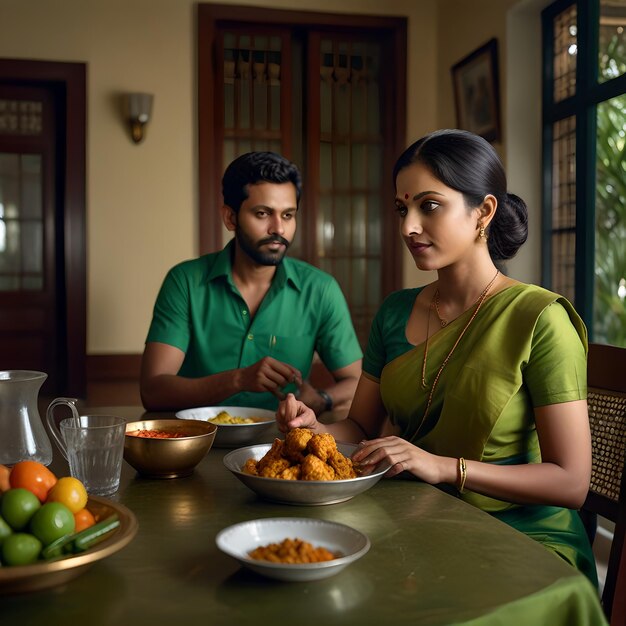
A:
(223, 417)
(302, 456)
(292, 551)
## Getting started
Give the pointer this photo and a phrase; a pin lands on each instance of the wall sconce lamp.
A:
(138, 112)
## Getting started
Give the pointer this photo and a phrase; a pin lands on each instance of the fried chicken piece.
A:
(315, 469)
(274, 468)
(342, 466)
(296, 441)
(292, 473)
(322, 445)
(275, 452)
(250, 467)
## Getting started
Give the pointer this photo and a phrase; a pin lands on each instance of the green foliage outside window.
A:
(610, 263)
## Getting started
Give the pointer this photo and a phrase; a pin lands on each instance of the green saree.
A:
(525, 348)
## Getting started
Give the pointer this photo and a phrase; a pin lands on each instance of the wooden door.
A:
(42, 224)
(30, 289)
(326, 90)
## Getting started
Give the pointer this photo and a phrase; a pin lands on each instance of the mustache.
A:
(274, 239)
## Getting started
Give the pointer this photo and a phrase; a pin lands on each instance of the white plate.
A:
(233, 435)
(238, 540)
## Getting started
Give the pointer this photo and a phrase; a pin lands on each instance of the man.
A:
(240, 327)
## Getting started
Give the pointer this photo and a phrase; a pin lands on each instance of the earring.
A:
(481, 232)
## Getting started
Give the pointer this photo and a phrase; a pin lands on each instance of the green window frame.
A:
(577, 112)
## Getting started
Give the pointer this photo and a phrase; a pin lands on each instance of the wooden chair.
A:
(618, 611)
(606, 379)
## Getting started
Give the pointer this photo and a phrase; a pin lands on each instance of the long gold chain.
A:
(436, 301)
(479, 304)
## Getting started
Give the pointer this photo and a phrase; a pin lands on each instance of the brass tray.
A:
(45, 574)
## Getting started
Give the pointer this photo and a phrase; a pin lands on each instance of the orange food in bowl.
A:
(156, 434)
(292, 551)
(302, 455)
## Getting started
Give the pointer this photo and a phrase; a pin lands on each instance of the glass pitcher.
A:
(22, 433)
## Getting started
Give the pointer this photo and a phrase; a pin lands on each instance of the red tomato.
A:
(33, 476)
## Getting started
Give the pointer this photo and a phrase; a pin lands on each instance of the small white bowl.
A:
(240, 539)
(233, 435)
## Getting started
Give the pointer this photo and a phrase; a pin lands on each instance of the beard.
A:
(253, 248)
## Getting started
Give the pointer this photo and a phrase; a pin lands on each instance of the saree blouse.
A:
(526, 348)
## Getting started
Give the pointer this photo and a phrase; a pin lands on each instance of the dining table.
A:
(433, 560)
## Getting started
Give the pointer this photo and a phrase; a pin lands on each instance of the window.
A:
(584, 139)
(21, 202)
(328, 92)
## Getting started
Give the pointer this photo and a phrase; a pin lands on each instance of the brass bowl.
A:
(168, 457)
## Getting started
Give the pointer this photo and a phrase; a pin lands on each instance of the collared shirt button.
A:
(250, 336)
(244, 312)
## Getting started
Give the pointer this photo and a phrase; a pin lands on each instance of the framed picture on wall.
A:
(476, 92)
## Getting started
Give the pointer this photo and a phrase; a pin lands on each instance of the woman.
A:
(481, 377)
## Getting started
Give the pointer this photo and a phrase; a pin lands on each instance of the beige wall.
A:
(142, 199)
(463, 26)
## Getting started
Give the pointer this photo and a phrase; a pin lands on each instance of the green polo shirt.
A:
(200, 311)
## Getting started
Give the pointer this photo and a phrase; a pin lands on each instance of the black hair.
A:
(468, 163)
(256, 167)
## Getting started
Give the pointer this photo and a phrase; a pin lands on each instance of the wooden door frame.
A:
(209, 179)
(71, 79)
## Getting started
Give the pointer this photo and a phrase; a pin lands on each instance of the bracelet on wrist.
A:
(462, 474)
(328, 401)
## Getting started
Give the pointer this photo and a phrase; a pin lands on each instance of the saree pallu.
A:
(526, 347)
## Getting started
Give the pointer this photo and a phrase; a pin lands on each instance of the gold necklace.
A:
(433, 305)
(436, 301)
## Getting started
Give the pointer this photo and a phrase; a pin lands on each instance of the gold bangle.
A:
(462, 474)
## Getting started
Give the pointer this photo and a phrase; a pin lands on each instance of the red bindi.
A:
(406, 196)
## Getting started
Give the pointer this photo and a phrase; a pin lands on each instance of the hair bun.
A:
(509, 229)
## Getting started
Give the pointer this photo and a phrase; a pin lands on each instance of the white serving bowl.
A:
(233, 435)
(309, 492)
(238, 540)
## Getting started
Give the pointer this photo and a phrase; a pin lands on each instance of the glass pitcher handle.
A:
(52, 423)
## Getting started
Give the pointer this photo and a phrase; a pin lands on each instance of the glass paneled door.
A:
(327, 97)
(346, 168)
(28, 305)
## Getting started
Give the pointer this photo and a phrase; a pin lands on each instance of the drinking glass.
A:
(93, 446)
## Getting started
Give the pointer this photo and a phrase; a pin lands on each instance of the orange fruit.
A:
(84, 519)
(33, 476)
(5, 485)
(70, 492)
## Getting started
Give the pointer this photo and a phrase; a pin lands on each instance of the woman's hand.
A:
(292, 413)
(402, 456)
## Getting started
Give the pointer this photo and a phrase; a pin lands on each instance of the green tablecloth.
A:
(433, 560)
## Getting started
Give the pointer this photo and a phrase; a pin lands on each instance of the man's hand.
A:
(310, 396)
(268, 374)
